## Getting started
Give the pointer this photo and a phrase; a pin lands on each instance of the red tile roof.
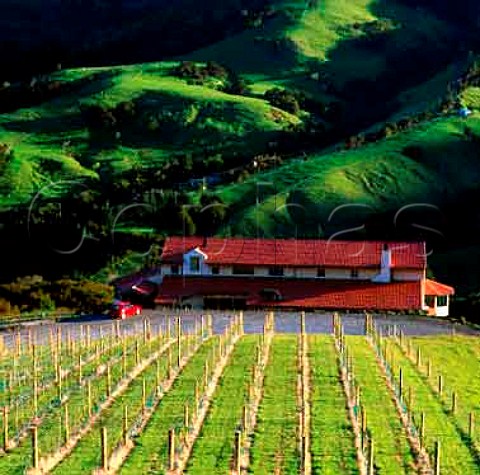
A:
(127, 282)
(297, 293)
(291, 252)
(436, 288)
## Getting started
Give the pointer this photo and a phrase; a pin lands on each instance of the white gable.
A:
(194, 262)
(195, 252)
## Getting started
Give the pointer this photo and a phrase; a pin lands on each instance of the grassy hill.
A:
(381, 176)
(346, 68)
(339, 41)
(52, 141)
(337, 52)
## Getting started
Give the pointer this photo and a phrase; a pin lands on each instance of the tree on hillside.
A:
(283, 99)
(6, 156)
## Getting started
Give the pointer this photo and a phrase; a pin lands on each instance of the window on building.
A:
(275, 271)
(442, 301)
(321, 272)
(215, 270)
(354, 273)
(243, 270)
(194, 264)
(271, 295)
(429, 301)
(175, 269)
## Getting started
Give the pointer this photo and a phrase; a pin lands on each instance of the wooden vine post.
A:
(59, 386)
(169, 360)
(144, 394)
(35, 457)
(363, 434)
(66, 423)
(80, 375)
(104, 448)
(238, 451)
(437, 458)
(241, 328)
(35, 382)
(471, 425)
(89, 398)
(400, 385)
(108, 381)
(125, 425)
(171, 449)
(186, 417)
(124, 359)
(245, 424)
(422, 429)
(371, 466)
(197, 398)
(179, 341)
(158, 377)
(6, 441)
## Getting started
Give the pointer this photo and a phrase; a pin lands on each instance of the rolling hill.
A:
(319, 87)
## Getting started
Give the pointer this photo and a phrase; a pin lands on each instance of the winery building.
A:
(242, 273)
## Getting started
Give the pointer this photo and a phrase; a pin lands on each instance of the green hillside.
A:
(303, 118)
(328, 50)
(324, 47)
(381, 176)
(52, 141)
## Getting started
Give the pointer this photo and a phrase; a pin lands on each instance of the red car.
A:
(123, 310)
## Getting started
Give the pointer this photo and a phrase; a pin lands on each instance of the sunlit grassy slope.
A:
(378, 177)
(51, 141)
(328, 36)
(332, 38)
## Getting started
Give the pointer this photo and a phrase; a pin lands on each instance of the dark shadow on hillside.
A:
(48, 125)
(160, 121)
(367, 73)
(57, 93)
(258, 51)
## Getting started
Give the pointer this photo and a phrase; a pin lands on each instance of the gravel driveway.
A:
(285, 322)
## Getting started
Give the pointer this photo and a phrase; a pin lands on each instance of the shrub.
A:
(283, 99)
(34, 293)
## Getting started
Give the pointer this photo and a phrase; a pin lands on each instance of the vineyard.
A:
(171, 397)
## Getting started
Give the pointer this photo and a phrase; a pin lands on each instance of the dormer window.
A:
(194, 264)
(215, 270)
(321, 272)
(354, 274)
(175, 269)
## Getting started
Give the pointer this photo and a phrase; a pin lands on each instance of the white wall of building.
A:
(407, 275)
(340, 273)
(261, 271)
(298, 272)
(304, 272)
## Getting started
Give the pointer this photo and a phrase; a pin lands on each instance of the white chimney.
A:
(385, 275)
